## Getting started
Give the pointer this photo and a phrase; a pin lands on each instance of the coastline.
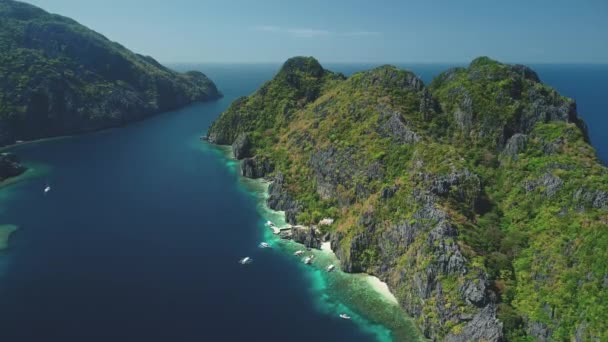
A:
(32, 142)
(34, 170)
(362, 296)
(373, 281)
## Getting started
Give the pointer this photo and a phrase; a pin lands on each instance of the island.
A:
(60, 78)
(477, 198)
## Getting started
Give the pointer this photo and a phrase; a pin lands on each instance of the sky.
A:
(370, 31)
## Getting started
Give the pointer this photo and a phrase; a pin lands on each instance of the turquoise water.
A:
(333, 292)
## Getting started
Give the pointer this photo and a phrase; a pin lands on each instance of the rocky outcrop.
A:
(515, 145)
(336, 169)
(256, 167)
(483, 327)
(388, 192)
(548, 184)
(308, 236)
(395, 127)
(597, 199)
(463, 115)
(419, 283)
(241, 147)
(279, 199)
(10, 166)
(461, 185)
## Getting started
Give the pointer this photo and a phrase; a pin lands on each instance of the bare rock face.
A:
(548, 184)
(395, 127)
(279, 199)
(483, 327)
(308, 236)
(463, 115)
(515, 145)
(591, 198)
(336, 167)
(241, 147)
(256, 167)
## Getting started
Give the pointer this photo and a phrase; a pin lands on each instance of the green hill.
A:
(478, 198)
(58, 77)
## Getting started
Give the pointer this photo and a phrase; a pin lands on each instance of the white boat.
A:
(264, 245)
(298, 253)
(47, 189)
(245, 260)
(269, 223)
(344, 316)
(308, 260)
(330, 268)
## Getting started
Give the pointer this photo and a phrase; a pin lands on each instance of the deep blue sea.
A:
(139, 238)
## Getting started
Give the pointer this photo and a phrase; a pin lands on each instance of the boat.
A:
(308, 260)
(344, 316)
(47, 189)
(204, 138)
(264, 245)
(269, 223)
(298, 253)
(245, 260)
(330, 268)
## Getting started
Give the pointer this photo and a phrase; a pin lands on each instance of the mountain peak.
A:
(301, 64)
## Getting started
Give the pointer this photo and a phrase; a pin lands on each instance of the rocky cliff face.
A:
(58, 78)
(478, 199)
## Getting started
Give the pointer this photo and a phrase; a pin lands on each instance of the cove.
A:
(140, 236)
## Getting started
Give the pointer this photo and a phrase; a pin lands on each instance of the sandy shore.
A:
(378, 285)
(382, 288)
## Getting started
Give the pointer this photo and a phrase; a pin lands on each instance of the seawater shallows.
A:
(7, 192)
(334, 292)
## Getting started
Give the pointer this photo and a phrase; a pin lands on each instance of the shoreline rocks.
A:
(10, 166)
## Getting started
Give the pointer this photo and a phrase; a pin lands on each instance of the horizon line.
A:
(387, 62)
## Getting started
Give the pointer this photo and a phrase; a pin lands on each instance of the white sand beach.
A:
(382, 288)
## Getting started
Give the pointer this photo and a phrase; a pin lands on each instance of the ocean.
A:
(139, 238)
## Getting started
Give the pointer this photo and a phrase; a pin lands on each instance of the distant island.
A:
(58, 77)
(477, 198)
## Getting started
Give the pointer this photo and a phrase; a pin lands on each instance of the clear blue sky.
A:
(532, 31)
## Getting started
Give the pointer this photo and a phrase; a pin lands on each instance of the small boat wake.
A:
(245, 261)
